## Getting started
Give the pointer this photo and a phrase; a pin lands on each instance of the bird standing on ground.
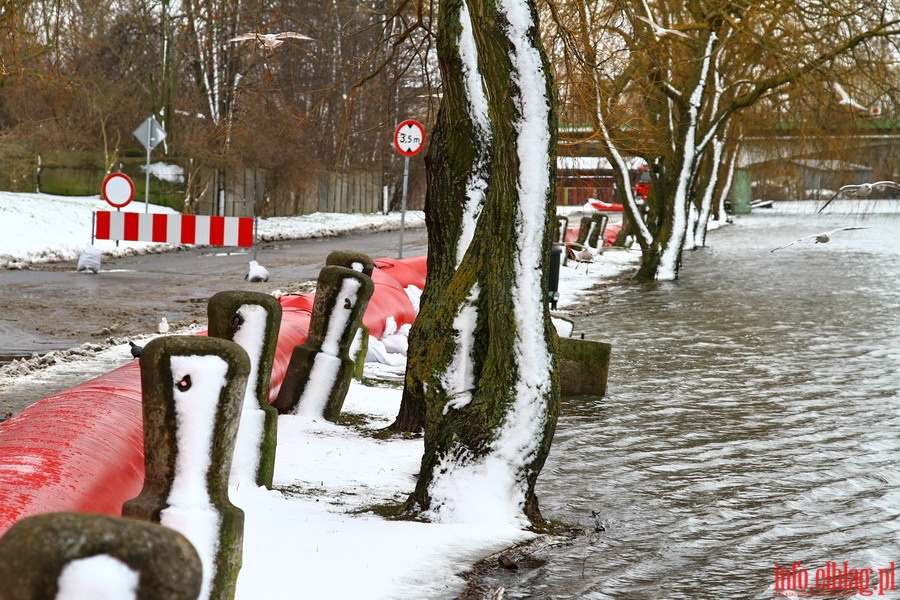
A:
(135, 349)
(163, 326)
(269, 41)
(821, 238)
(861, 190)
(257, 272)
(581, 253)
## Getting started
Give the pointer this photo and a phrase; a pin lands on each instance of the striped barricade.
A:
(173, 228)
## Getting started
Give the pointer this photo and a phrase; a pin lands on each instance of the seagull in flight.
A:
(846, 100)
(657, 29)
(269, 41)
(821, 238)
(861, 190)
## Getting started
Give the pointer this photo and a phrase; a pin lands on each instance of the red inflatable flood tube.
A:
(81, 450)
(609, 234)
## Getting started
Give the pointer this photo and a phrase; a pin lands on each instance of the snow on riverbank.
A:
(311, 536)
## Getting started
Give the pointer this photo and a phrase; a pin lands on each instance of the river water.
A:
(752, 418)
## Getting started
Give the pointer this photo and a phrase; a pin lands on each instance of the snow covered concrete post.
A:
(193, 388)
(319, 373)
(251, 320)
(76, 555)
(358, 261)
(351, 259)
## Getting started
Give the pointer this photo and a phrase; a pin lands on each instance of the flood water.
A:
(752, 418)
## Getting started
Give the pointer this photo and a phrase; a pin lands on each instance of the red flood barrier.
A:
(81, 450)
(609, 234)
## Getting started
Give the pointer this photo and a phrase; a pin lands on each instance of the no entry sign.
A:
(117, 190)
(409, 137)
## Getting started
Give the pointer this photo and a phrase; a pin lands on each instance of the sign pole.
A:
(147, 180)
(403, 204)
(409, 137)
(149, 133)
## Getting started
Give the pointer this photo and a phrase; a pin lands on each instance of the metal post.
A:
(255, 234)
(147, 180)
(403, 203)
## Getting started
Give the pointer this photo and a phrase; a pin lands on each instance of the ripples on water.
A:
(752, 418)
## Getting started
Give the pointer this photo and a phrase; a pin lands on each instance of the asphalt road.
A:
(54, 307)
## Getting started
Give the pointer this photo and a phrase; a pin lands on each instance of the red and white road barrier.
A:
(82, 450)
(173, 228)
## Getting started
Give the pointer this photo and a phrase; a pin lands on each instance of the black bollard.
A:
(553, 279)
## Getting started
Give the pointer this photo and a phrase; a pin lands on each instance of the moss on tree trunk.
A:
(463, 416)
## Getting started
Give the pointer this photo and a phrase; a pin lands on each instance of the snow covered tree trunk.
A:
(663, 258)
(482, 350)
(457, 163)
(709, 194)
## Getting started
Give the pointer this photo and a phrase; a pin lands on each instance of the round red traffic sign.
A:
(117, 190)
(409, 137)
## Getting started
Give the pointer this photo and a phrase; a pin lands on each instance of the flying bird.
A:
(658, 30)
(269, 41)
(135, 350)
(861, 190)
(846, 100)
(163, 326)
(821, 238)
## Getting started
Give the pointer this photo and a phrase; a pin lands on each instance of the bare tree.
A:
(668, 77)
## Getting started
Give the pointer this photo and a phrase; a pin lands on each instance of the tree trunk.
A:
(482, 350)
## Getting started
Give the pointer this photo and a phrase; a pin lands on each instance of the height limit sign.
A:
(408, 140)
(409, 137)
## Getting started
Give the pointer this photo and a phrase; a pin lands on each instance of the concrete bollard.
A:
(251, 320)
(357, 261)
(193, 388)
(590, 231)
(47, 555)
(562, 224)
(358, 350)
(583, 367)
(319, 373)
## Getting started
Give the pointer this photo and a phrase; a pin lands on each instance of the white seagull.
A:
(163, 326)
(581, 254)
(821, 238)
(257, 272)
(846, 100)
(861, 190)
(657, 29)
(269, 41)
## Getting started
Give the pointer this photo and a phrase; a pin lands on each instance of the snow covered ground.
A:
(311, 537)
